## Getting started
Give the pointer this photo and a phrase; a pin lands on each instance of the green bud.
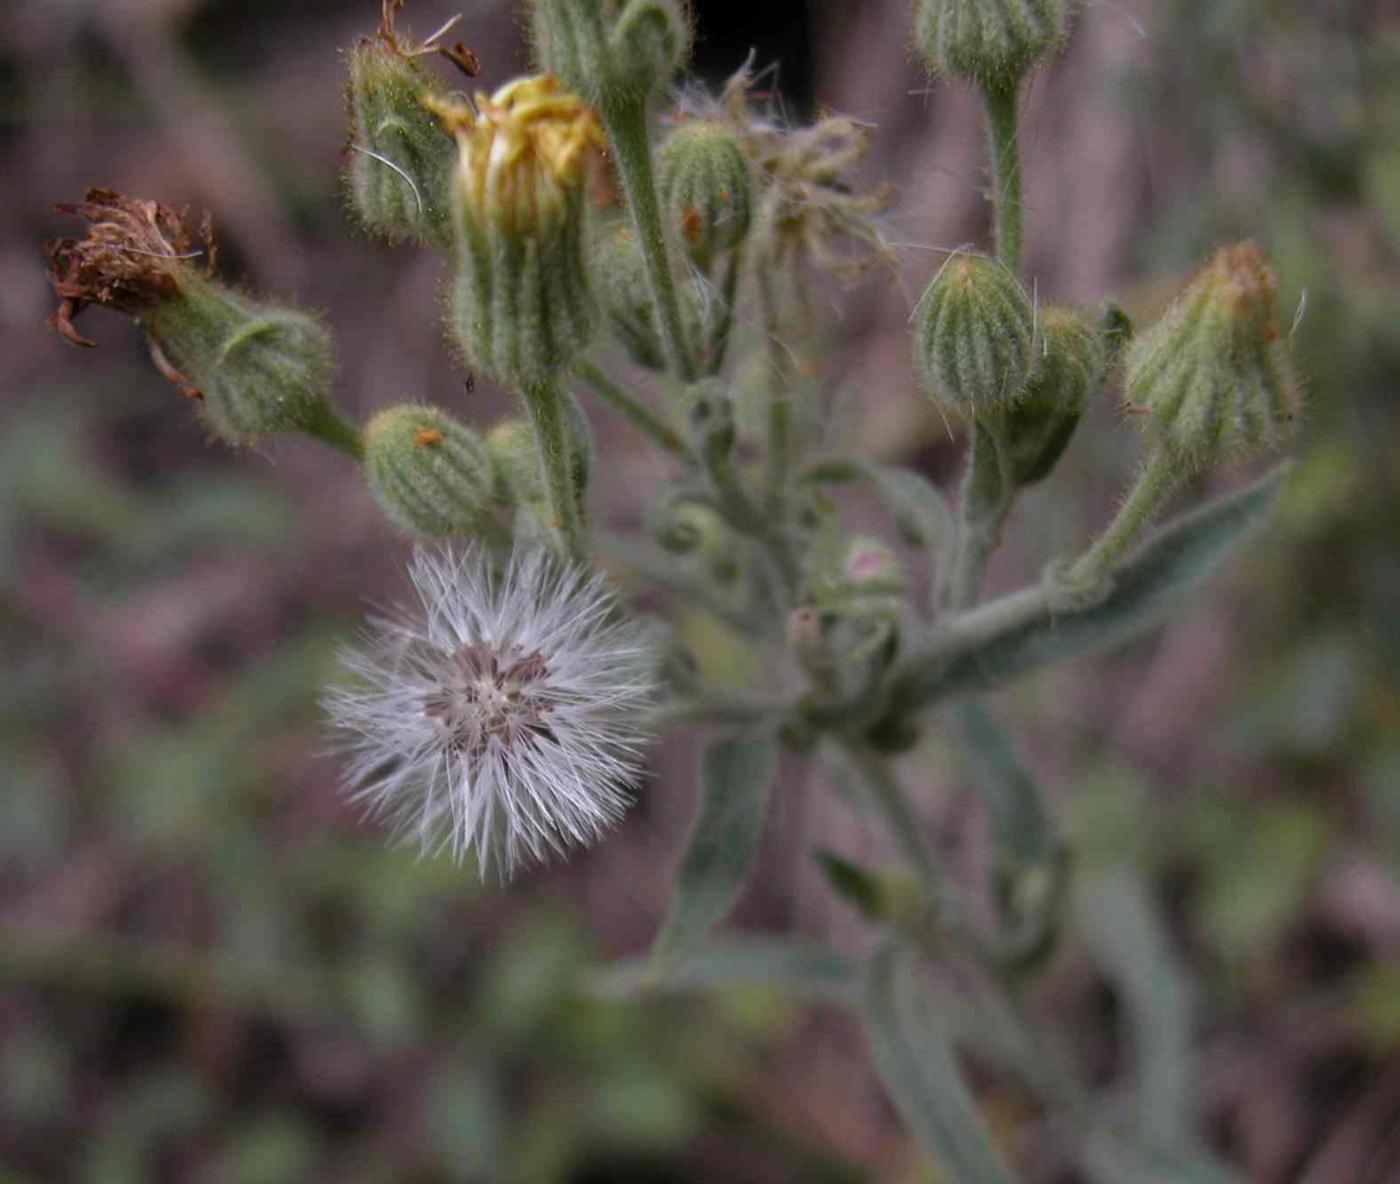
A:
(618, 271)
(400, 158)
(612, 51)
(1213, 373)
(686, 525)
(518, 479)
(973, 335)
(990, 42)
(1069, 364)
(520, 304)
(707, 188)
(258, 368)
(428, 471)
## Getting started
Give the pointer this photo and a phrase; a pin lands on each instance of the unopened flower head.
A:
(522, 153)
(502, 714)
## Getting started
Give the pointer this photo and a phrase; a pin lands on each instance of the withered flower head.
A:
(810, 204)
(130, 258)
(522, 153)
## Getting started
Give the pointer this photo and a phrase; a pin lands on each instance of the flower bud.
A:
(400, 158)
(1213, 372)
(1069, 364)
(256, 368)
(706, 187)
(428, 471)
(518, 478)
(619, 275)
(869, 567)
(612, 51)
(989, 42)
(973, 332)
(520, 307)
(259, 368)
(687, 526)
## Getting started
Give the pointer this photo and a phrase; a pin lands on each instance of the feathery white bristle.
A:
(502, 714)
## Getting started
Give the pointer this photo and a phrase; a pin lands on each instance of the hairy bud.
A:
(520, 304)
(973, 333)
(612, 51)
(1213, 373)
(400, 158)
(515, 459)
(707, 188)
(428, 471)
(990, 42)
(619, 276)
(1069, 364)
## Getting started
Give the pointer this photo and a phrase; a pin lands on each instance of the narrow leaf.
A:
(1130, 942)
(1157, 577)
(735, 774)
(791, 966)
(915, 1059)
(1021, 828)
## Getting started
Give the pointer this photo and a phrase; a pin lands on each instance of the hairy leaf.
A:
(735, 774)
(915, 1058)
(1158, 576)
(796, 967)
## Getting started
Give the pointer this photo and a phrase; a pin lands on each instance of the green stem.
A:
(1006, 171)
(1155, 483)
(634, 410)
(627, 126)
(779, 441)
(987, 495)
(331, 428)
(729, 291)
(546, 407)
(900, 818)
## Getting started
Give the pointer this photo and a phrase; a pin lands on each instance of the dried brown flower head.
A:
(131, 257)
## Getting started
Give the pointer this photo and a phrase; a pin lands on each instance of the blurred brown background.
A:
(210, 971)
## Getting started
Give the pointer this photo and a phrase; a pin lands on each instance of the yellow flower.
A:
(522, 153)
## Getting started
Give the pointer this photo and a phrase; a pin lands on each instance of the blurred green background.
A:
(210, 971)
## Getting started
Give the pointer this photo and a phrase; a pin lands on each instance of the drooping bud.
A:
(256, 368)
(400, 157)
(707, 188)
(520, 300)
(612, 51)
(1213, 373)
(428, 471)
(973, 335)
(989, 42)
(1069, 364)
(686, 525)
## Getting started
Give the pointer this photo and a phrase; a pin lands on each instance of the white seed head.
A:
(503, 714)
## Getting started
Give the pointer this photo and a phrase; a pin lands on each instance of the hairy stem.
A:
(331, 428)
(729, 292)
(987, 495)
(546, 407)
(779, 441)
(1156, 482)
(1006, 171)
(627, 126)
(633, 410)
